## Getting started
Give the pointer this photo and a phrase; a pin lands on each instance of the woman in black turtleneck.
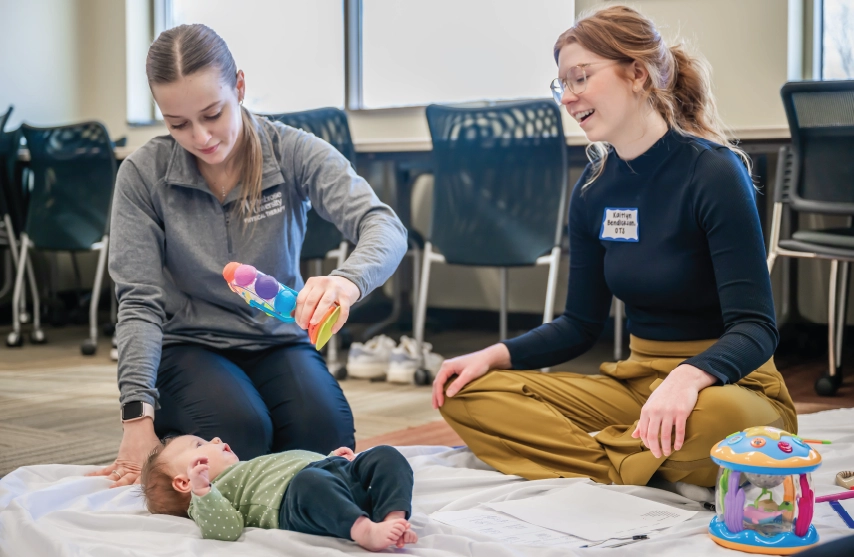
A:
(664, 218)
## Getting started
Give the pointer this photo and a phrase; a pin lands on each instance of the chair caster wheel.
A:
(37, 337)
(24, 317)
(88, 348)
(14, 340)
(423, 377)
(114, 354)
(827, 385)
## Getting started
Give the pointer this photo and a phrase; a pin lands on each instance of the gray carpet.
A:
(65, 415)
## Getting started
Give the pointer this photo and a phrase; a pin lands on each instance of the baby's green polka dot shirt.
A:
(248, 494)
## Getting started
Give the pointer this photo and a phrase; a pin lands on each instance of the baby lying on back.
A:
(365, 498)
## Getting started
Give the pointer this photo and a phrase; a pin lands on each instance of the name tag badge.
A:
(620, 225)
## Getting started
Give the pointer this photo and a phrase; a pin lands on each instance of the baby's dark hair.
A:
(160, 496)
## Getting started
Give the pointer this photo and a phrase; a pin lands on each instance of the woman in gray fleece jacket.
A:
(227, 186)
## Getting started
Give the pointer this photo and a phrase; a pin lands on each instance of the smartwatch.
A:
(136, 410)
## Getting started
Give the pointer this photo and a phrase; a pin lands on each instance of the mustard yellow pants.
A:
(536, 425)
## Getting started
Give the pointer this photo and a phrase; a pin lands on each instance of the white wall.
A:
(39, 60)
(745, 43)
(103, 85)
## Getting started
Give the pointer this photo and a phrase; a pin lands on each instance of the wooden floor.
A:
(57, 406)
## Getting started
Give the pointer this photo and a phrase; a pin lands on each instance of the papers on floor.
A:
(593, 513)
(573, 516)
(505, 529)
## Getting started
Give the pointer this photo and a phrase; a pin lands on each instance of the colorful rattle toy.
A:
(764, 496)
(275, 299)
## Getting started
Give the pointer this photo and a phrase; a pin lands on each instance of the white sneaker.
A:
(370, 360)
(405, 361)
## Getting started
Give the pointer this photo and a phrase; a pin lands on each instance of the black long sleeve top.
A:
(674, 234)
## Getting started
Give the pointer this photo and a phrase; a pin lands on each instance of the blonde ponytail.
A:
(252, 167)
(689, 106)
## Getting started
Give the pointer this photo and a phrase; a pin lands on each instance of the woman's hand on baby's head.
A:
(346, 452)
(198, 473)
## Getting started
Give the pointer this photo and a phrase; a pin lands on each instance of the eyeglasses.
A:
(575, 81)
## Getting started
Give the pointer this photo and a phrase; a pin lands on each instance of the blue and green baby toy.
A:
(275, 299)
(764, 494)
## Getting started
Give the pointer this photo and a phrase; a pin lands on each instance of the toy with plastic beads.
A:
(764, 496)
(265, 293)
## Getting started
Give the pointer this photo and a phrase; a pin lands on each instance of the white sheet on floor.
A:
(53, 510)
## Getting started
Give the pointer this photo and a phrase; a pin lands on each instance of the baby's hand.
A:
(346, 452)
(198, 474)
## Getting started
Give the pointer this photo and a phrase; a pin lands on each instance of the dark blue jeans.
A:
(258, 402)
(326, 497)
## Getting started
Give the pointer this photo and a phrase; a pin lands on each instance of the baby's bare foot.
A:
(378, 536)
(408, 536)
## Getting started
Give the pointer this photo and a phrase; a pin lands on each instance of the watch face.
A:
(132, 410)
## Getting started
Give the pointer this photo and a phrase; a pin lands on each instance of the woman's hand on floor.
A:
(319, 294)
(467, 368)
(137, 442)
(668, 408)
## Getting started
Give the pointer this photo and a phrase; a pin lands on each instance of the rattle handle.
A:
(835, 497)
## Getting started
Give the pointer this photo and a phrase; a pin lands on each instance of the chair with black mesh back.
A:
(73, 173)
(12, 211)
(816, 175)
(499, 195)
(16, 178)
(322, 239)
